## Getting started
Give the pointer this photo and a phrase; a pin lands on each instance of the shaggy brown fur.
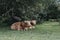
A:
(20, 26)
(23, 25)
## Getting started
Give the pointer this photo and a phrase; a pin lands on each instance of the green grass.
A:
(45, 31)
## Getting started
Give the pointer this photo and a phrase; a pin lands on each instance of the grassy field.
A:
(45, 31)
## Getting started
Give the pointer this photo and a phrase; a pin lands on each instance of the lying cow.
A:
(20, 26)
(23, 25)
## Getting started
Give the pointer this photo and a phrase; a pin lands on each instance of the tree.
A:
(24, 9)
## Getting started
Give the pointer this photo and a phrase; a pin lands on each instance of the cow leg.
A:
(26, 28)
(19, 28)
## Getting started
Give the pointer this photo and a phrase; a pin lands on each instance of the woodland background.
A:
(20, 10)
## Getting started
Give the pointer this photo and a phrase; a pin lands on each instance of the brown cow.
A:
(23, 25)
(20, 26)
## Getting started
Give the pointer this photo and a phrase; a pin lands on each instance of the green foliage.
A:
(27, 9)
